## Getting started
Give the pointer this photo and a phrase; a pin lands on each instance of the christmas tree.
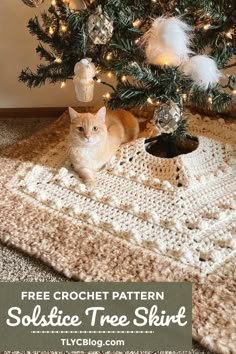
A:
(168, 54)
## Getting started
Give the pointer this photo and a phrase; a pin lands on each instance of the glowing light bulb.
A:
(184, 96)
(63, 28)
(234, 92)
(109, 56)
(136, 23)
(206, 27)
(63, 84)
(107, 95)
(229, 34)
(154, 1)
(177, 90)
(99, 81)
(210, 99)
(109, 74)
(54, 2)
(58, 60)
(51, 30)
(149, 100)
(124, 78)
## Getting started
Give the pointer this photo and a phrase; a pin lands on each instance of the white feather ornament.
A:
(167, 41)
(202, 70)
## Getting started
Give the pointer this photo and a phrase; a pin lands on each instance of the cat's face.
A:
(88, 128)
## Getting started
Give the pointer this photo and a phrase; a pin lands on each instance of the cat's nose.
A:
(87, 136)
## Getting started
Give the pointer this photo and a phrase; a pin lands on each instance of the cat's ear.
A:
(73, 114)
(101, 114)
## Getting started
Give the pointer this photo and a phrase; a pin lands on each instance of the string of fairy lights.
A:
(136, 24)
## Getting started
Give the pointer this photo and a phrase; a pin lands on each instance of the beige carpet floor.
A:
(16, 266)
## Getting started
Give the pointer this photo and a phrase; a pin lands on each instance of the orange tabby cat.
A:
(95, 138)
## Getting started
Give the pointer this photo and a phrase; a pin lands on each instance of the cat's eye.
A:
(80, 129)
(95, 129)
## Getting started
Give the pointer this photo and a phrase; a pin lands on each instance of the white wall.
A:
(17, 51)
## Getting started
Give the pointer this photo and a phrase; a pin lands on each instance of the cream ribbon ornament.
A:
(83, 80)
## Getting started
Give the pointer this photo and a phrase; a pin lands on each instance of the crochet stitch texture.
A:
(183, 208)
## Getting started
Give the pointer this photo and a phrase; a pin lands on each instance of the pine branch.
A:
(219, 100)
(45, 73)
(128, 96)
(36, 30)
(230, 66)
(45, 54)
(127, 56)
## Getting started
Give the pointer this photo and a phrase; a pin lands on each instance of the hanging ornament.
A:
(167, 117)
(33, 3)
(100, 27)
(83, 80)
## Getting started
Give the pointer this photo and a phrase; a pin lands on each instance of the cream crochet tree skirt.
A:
(149, 218)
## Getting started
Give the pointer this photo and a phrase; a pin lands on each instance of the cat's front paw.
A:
(90, 184)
